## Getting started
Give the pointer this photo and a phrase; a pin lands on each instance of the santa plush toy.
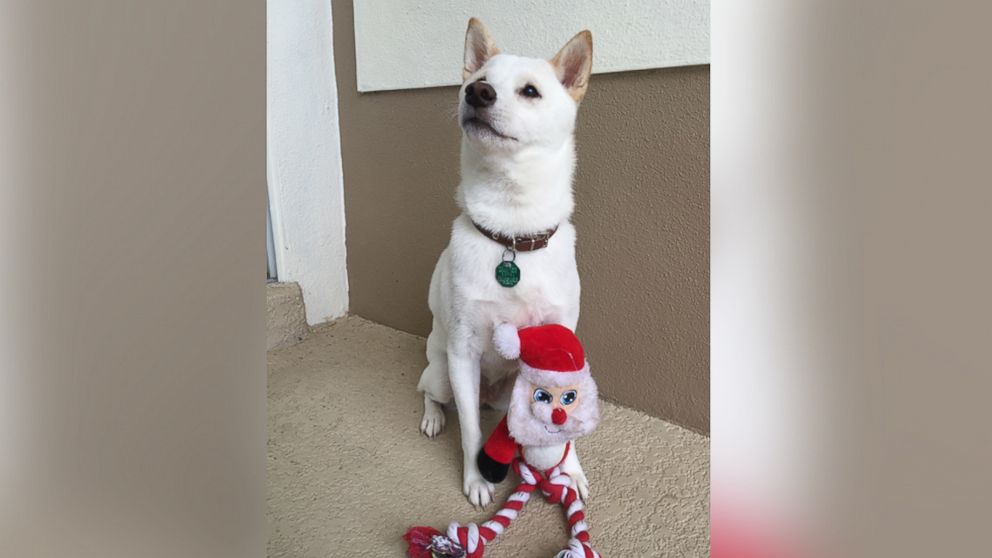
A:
(554, 402)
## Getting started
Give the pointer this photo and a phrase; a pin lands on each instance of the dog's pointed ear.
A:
(573, 64)
(479, 47)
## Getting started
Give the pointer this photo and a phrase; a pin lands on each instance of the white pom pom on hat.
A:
(507, 341)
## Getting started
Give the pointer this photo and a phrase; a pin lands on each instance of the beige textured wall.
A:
(642, 191)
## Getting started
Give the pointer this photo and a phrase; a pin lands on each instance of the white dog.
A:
(511, 258)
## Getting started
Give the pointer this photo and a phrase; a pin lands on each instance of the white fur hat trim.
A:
(554, 378)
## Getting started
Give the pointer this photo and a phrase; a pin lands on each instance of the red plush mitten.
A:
(495, 456)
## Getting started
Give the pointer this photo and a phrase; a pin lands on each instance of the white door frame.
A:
(305, 178)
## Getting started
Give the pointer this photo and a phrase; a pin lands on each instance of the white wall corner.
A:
(305, 177)
(629, 35)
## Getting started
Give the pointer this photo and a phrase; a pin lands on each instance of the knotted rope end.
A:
(427, 542)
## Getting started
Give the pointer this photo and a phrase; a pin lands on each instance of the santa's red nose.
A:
(558, 416)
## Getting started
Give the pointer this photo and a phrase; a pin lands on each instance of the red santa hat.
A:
(550, 355)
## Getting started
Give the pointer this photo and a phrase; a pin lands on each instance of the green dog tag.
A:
(507, 274)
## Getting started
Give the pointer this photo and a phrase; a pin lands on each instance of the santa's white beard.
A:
(530, 421)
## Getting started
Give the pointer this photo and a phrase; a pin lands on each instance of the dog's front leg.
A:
(574, 469)
(465, 371)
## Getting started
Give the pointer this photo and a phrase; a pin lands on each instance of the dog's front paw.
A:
(478, 490)
(433, 422)
(580, 484)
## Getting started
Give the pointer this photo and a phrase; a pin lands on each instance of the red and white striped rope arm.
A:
(469, 541)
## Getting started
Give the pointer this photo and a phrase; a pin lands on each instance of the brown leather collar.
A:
(519, 243)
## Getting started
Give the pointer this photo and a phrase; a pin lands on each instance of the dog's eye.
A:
(530, 91)
(568, 397)
(542, 396)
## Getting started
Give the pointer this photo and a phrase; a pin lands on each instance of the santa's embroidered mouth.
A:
(552, 431)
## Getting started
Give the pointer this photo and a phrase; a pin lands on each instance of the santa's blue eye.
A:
(568, 397)
(542, 396)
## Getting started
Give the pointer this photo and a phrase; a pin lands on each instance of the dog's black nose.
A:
(480, 94)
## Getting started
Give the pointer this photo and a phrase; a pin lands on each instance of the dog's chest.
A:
(545, 287)
(548, 289)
